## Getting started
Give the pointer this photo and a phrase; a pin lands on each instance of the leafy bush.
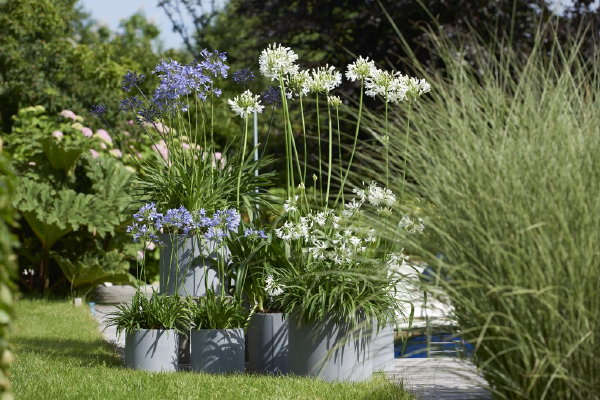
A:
(72, 199)
(506, 152)
(7, 269)
(218, 312)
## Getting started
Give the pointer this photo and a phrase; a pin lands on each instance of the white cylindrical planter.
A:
(152, 350)
(382, 348)
(268, 343)
(330, 350)
(218, 351)
(185, 261)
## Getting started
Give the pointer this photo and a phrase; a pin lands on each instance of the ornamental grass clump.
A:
(506, 153)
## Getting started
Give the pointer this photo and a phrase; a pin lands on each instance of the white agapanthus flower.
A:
(297, 83)
(378, 83)
(277, 61)
(398, 263)
(378, 196)
(411, 225)
(361, 69)
(246, 104)
(416, 88)
(324, 79)
(334, 101)
(273, 288)
(290, 205)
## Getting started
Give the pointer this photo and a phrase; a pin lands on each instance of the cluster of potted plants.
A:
(312, 290)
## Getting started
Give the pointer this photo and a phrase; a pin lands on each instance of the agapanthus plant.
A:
(336, 264)
(189, 168)
(279, 63)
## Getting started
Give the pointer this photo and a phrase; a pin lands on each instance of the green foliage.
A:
(506, 152)
(7, 271)
(53, 55)
(207, 183)
(157, 312)
(65, 193)
(218, 312)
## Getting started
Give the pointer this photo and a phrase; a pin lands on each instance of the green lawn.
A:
(61, 355)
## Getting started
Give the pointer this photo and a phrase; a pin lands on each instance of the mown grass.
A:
(61, 355)
(505, 155)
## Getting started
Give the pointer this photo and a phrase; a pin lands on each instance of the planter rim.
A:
(208, 330)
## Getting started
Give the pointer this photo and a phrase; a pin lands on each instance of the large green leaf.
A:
(93, 269)
(62, 155)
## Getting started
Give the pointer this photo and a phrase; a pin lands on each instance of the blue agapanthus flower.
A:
(271, 96)
(243, 76)
(214, 63)
(98, 110)
(178, 218)
(255, 233)
(131, 80)
(130, 103)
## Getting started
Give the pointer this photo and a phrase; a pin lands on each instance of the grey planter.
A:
(185, 261)
(152, 350)
(268, 343)
(382, 348)
(330, 350)
(218, 351)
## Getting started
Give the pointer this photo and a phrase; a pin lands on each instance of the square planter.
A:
(152, 350)
(218, 351)
(330, 350)
(382, 348)
(268, 343)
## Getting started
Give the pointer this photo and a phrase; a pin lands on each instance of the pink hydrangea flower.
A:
(161, 148)
(68, 114)
(32, 163)
(104, 136)
(130, 122)
(58, 134)
(116, 152)
(87, 132)
(94, 153)
(103, 146)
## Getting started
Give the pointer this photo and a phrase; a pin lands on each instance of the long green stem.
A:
(244, 142)
(337, 117)
(304, 139)
(319, 144)
(405, 150)
(330, 155)
(386, 142)
(360, 107)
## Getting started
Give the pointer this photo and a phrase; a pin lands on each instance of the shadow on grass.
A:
(76, 352)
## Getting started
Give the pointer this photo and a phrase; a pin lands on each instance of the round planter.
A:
(218, 351)
(188, 265)
(268, 343)
(382, 348)
(330, 350)
(152, 350)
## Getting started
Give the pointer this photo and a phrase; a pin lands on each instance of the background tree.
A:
(54, 55)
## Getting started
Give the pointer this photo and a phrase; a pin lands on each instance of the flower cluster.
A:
(277, 61)
(360, 69)
(412, 225)
(323, 80)
(246, 104)
(273, 288)
(149, 223)
(243, 76)
(395, 87)
(378, 197)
